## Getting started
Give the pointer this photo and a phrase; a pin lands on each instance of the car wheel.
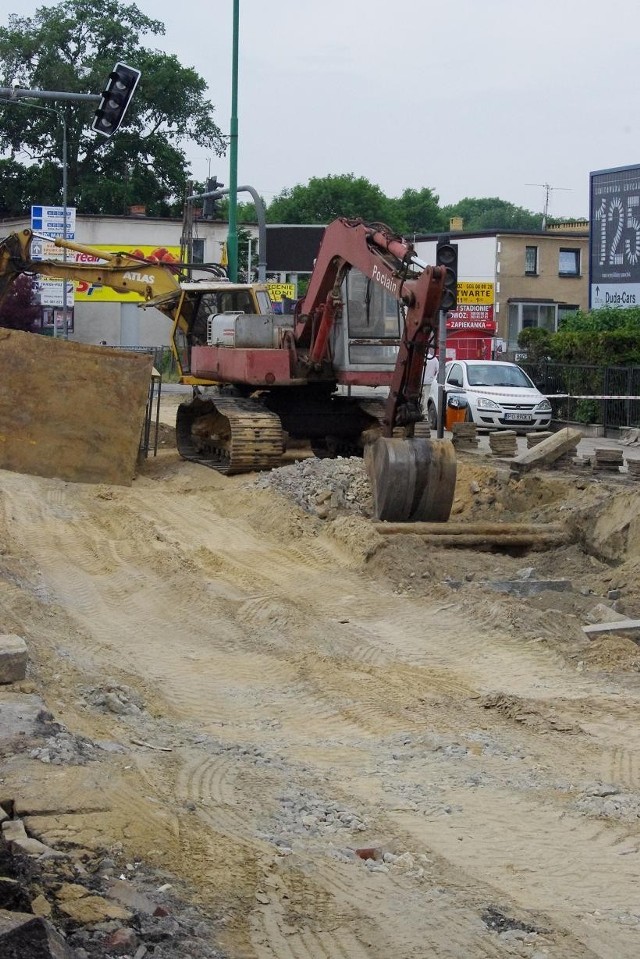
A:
(432, 417)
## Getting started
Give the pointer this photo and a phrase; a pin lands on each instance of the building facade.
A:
(522, 279)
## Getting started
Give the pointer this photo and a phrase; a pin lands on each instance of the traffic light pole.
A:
(20, 93)
(260, 216)
(17, 96)
(442, 359)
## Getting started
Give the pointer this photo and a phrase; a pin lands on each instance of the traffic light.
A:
(447, 257)
(115, 99)
(209, 204)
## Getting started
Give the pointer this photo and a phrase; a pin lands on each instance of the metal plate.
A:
(519, 417)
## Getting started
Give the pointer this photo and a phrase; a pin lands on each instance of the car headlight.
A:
(484, 403)
(543, 407)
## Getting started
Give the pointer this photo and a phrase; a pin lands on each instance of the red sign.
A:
(471, 316)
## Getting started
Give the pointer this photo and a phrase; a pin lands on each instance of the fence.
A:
(163, 358)
(606, 395)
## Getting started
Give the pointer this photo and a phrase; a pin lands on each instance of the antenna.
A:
(547, 193)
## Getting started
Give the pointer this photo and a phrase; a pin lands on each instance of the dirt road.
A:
(269, 693)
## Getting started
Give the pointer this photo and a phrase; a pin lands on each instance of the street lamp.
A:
(232, 244)
(62, 118)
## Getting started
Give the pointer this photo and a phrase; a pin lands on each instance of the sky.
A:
(471, 98)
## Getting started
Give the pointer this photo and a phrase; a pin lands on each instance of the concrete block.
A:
(13, 658)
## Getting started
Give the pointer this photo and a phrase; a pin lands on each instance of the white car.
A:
(499, 395)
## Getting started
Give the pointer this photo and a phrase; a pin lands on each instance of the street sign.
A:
(614, 243)
(49, 220)
(621, 294)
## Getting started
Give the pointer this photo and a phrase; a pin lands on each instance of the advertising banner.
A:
(87, 292)
(471, 317)
(471, 292)
(614, 241)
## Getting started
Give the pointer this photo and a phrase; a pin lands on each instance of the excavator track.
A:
(229, 434)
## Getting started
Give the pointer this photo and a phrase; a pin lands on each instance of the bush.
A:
(587, 411)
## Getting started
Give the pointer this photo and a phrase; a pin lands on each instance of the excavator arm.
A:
(121, 272)
(412, 478)
(390, 262)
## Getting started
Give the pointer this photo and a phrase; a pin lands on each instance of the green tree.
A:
(491, 213)
(325, 198)
(417, 211)
(72, 47)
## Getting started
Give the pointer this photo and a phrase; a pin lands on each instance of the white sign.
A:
(51, 292)
(614, 294)
(49, 220)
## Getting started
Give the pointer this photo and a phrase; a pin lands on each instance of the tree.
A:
(491, 213)
(17, 310)
(417, 211)
(72, 47)
(325, 198)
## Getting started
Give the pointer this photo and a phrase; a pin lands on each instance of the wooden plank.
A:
(548, 450)
(615, 627)
(468, 529)
(488, 540)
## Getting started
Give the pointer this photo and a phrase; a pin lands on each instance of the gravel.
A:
(323, 486)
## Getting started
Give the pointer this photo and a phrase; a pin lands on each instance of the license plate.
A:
(520, 417)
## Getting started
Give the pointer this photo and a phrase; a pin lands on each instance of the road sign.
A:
(614, 244)
(49, 220)
(622, 294)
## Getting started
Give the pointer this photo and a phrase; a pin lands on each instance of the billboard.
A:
(292, 248)
(87, 292)
(614, 241)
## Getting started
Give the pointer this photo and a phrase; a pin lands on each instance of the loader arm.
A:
(121, 272)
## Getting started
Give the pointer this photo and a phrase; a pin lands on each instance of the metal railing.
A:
(608, 396)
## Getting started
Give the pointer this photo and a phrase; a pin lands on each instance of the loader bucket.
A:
(70, 410)
(413, 480)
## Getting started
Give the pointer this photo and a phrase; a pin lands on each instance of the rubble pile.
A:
(323, 486)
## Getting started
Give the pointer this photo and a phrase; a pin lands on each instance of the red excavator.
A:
(369, 316)
(261, 379)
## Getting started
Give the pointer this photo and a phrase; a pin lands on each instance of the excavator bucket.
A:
(413, 480)
(71, 410)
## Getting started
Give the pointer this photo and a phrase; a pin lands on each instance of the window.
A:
(523, 316)
(569, 263)
(455, 375)
(531, 260)
(371, 312)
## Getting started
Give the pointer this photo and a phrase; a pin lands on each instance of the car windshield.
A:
(490, 374)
